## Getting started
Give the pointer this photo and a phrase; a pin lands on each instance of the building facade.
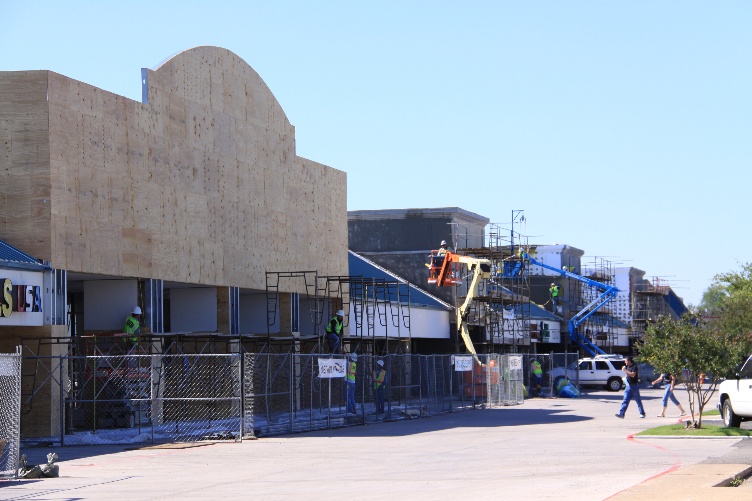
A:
(180, 204)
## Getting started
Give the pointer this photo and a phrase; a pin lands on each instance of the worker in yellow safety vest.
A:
(554, 292)
(536, 378)
(133, 325)
(379, 386)
(352, 365)
(334, 331)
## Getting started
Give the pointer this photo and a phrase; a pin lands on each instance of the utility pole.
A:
(515, 215)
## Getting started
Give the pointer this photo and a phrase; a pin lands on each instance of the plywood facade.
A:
(200, 184)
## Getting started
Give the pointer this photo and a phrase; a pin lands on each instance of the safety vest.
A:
(378, 379)
(554, 291)
(131, 327)
(537, 369)
(350, 376)
(337, 326)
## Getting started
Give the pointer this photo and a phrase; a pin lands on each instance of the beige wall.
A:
(24, 162)
(200, 185)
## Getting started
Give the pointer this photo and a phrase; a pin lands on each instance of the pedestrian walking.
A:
(670, 381)
(632, 389)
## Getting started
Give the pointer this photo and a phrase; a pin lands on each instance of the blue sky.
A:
(620, 128)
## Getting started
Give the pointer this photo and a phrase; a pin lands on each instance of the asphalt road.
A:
(546, 449)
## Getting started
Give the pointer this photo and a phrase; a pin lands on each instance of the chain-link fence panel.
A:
(10, 412)
(153, 398)
(284, 394)
(563, 366)
(197, 397)
(544, 371)
(504, 378)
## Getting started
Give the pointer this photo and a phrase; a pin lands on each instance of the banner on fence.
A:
(463, 364)
(331, 367)
(515, 363)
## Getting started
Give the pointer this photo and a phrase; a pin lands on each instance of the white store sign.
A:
(21, 297)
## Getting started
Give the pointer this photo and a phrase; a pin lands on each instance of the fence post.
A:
(62, 403)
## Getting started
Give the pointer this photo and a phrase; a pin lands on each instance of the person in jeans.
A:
(670, 381)
(632, 389)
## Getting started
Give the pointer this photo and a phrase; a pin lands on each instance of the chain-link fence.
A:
(553, 367)
(139, 398)
(10, 412)
(288, 393)
(154, 398)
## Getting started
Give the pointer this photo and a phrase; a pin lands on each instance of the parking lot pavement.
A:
(546, 448)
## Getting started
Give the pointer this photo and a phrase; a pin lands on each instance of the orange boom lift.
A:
(444, 270)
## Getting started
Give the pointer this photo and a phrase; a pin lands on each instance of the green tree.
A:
(689, 348)
(711, 343)
(734, 311)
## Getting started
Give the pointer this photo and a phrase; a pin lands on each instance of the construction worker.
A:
(350, 381)
(379, 386)
(133, 325)
(554, 292)
(334, 331)
(536, 378)
(442, 249)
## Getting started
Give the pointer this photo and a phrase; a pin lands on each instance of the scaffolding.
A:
(599, 327)
(380, 310)
(649, 303)
(500, 315)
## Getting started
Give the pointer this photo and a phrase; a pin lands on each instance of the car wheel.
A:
(614, 384)
(730, 420)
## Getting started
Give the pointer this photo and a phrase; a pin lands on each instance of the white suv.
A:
(736, 397)
(602, 370)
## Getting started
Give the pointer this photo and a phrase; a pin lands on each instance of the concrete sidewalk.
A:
(546, 448)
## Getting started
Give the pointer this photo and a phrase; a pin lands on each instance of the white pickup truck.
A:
(736, 397)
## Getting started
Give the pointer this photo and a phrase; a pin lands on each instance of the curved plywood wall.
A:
(200, 183)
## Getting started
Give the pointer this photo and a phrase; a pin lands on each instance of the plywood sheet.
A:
(200, 185)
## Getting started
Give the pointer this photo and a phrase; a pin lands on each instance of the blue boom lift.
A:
(608, 292)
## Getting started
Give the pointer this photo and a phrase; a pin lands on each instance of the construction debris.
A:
(49, 470)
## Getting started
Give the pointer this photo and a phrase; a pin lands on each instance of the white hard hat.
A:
(380, 362)
(552, 284)
(136, 310)
(341, 313)
(353, 356)
(443, 242)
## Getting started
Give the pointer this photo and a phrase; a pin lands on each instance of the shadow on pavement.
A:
(486, 418)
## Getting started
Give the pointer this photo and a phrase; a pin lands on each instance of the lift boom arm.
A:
(608, 292)
(446, 274)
